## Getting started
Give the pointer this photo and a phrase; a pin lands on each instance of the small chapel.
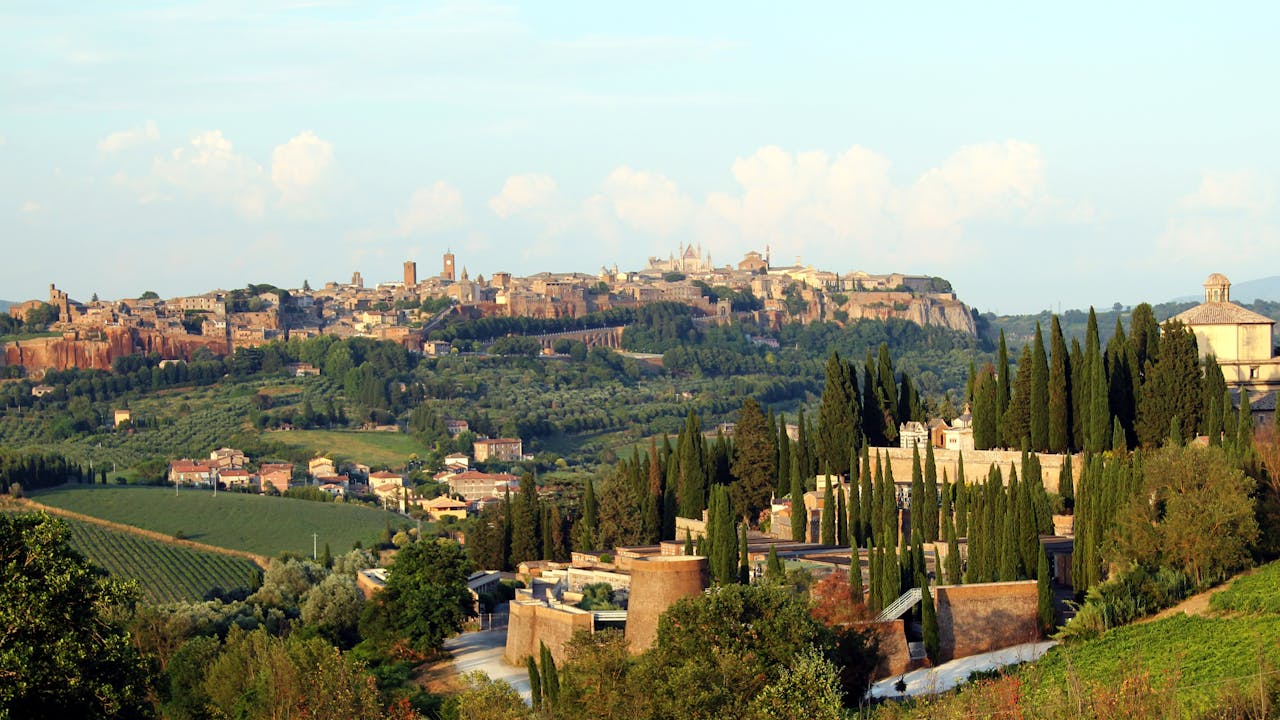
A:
(1241, 339)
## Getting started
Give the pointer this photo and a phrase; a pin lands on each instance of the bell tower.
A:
(447, 273)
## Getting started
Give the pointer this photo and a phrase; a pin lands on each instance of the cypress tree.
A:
(1009, 552)
(773, 571)
(872, 415)
(1059, 390)
(744, 558)
(929, 622)
(839, 416)
(891, 517)
(1003, 386)
(1119, 442)
(929, 516)
(1144, 336)
(693, 479)
(1121, 397)
(962, 499)
(550, 678)
(535, 681)
(1172, 386)
(954, 576)
(1175, 432)
(1044, 592)
(874, 591)
(1214, 385)
(1243, 446)
(799, 515)
(1092, 356)
(784, 457)
(688, 542)
(1039, 394)
(854, 522)
(842, 519)
(888, 390)
(985, 422)
(865, 495)
(947, 507)
(526, 536)
(1017, 416)
(1028, 524)
(802, 450)
(855, 576)
(1066, 488)
(917, 500)
(828, 515)
(1078, 382)
(1098, 430)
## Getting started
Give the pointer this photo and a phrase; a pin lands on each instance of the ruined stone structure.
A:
(656, 584)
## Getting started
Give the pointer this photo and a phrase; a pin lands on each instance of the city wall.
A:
(977, 463)
(533, 624)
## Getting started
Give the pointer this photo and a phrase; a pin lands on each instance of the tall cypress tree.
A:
(1172, 386)
(929, 516)
(1066, 486)
(842, 518)
(1120, 385)
(1003, 386)
(872, 415)
(1044, 592)
(865, 496)
(1059, 390)
(962, 499)
(1079, 381)
(799, 515)
(1214, 384)
(917, 500)
(828, 515)
(784, 457)
(693, 476)
(1017, 416)
(985, 422)
(839, 416)
(855, 575)
(1097, 421)
(888, 390)
(773, 571)
(744, 558)
(929, 622)
(803, 450)
(526, 536)
(1039, 394)
(954, 576)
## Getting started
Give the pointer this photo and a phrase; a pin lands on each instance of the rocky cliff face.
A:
(41, 354)
(926, 310)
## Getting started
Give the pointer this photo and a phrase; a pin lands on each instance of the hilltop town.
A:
(91, 334)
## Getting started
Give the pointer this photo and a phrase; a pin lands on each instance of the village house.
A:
(228, 458)
(457, 461)
(121, 417)
(235, 478)
(198, 473)
(501, 449)
(438, 508)
(276, 476)
(475, 485)
(321, 467)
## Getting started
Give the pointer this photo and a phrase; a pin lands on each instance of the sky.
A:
(1038, 156)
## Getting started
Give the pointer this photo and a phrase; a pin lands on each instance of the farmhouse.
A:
(501, 449)
(198, 473)
(276, 476)
(235, 478)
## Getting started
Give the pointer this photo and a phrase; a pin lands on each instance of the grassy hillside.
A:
(375, 449)
(253, 523)
(164, 572)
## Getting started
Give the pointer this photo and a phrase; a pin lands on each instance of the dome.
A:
(1217, 279)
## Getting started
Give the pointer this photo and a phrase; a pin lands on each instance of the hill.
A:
(252, 523)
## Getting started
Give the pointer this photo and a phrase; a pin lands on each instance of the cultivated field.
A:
(252, 523)
(375, 449)
(165, 572)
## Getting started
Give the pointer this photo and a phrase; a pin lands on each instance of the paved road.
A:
(483, 651)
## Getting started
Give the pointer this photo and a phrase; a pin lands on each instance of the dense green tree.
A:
(1144, 336)
(1172, 387)
(64, 653)
(773, 570)
(1044, 592)
(985, 410)
(526, 533)
(753, 460)
(693, 477)
(839, 415)
(929, 622)
(1016, 423)
(1098, 414)
(887, 388)
(1004, 388)
(424, 601)
(1079, 395)
(799, 514)
(1039, 394)
(1214, 385)
(721, 537)
(929, 514)
(1059, 390)
(828, 514)
(784, 457)
(866, 495)
(842, 518)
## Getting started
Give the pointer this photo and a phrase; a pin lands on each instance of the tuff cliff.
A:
(98, 350)
(938, 309)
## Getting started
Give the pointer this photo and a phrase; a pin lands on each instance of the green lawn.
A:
(164, 572)
(375, 449)
(253, 523)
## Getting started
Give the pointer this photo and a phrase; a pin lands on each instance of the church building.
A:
(1240, 339)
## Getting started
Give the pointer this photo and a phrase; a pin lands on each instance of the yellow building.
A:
(1240, 339)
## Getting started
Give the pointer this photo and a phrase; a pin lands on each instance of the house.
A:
(122, 416)
(475, 485)
(42, 390)
(444, 506)
(228, 458)
(456, 427)
(383, 479)
(302, 369)
(436, 347)
(457, 461)
(321, 467)
(335, 486)
(276, 476)
(191, 472)
(501, 449)
(235, 478)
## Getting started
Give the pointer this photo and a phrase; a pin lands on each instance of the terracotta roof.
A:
(444, 502)
(1221, 313)
(384, 475)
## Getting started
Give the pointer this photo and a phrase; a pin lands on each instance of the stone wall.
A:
(983, 617)
(978, 462)
(534, 624)
(895, 656)
(656, 584)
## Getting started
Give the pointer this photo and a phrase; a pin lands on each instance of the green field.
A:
(1258, 592)
(1200, 657)
(164, 572)
(375, 449)
(253, 523)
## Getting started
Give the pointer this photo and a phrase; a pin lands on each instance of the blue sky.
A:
(1036, 157)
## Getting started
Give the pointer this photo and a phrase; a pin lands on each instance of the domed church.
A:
(1241, 339)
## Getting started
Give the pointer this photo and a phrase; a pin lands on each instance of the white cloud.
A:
(31, 207)
(647, 201)
(133, 137)
(523, 192)
(432, 209)
(985, 180)
(211, 168)
(299, 166)
(1231, 190)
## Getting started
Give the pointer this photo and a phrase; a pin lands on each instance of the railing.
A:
(900, 606)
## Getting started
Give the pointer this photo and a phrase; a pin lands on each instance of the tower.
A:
(410, 274)
(447, 273)
(1217, 288)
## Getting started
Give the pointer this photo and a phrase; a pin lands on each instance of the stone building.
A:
(1241, 339)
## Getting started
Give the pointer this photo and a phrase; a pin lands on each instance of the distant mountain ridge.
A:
(1267, 288)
